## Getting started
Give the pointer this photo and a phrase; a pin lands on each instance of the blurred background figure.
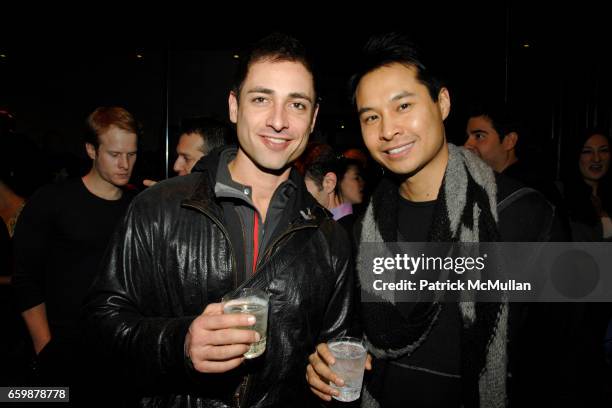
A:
(14, 186)
(358, 155)
(335, 182)
(11, 201)
(59, 240)
(588, 194)
(497, 135)
(198, 136)
(493, 135)
(318, 164)
(352, 183)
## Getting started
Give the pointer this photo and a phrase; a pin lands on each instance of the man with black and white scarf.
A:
(430, 353)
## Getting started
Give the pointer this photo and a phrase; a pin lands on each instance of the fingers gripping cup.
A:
(253, 302)
(350, 354)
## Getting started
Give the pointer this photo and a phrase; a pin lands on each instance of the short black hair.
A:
(504, 118)
(213, 132)
(386, 49)
(317, 160)
(275, 47)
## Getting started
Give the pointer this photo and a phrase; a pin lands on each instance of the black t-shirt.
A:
(430, 376)
(59, 241)
(5, 250)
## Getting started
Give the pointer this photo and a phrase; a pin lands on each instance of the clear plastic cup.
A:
(350, 354)
(254, 302)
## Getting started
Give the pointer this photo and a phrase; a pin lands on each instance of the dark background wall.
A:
(551, 64)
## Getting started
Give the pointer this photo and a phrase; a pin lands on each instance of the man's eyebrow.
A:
(300, 95)
(402, 95)
(363, 110)
(268, 91)
(479, 131)
(394, 98)
(261, 89)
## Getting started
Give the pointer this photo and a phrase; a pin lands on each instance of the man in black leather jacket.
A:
(243, 218)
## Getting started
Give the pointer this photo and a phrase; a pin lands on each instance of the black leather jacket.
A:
(172, 256)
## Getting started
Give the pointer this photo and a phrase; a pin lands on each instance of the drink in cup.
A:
(253, 302)
(350, 354)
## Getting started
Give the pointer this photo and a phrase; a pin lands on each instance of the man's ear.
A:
(314, 117)
(444, 102)
(510, 141)
(91, 151)
(233, 107)
(329, 182)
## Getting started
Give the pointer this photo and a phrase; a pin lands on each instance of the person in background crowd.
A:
(198, 137)
(59, 241)
(335, 182)
(589, 193)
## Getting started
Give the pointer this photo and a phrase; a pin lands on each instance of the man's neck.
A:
(510, 160)
(263, 183)
(334, 201)
(424, 185)
(100, 187)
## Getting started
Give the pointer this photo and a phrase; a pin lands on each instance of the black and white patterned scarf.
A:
(465, 211)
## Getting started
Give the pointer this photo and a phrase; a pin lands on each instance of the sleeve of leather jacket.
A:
(117, 314)
(340, 313)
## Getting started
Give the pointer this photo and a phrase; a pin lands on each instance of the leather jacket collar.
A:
(305, 210)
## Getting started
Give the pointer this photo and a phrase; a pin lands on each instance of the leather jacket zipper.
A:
(277, 241)
(242, 400)
(223, 230)
(246, 385)
(254, 282)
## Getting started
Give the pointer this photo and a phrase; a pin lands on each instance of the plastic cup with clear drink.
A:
(253, 302)
(350, 354)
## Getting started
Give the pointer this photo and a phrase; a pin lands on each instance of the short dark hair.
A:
(386, 49)
(103, 118)
(317, 160)
(213, 132)
(503, 118)
(275, 47)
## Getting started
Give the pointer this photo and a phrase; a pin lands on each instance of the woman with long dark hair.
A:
(588, 196)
